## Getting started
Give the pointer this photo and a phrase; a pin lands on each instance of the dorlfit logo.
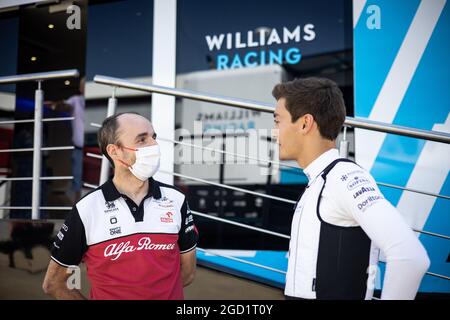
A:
(356, 182)
(368, 202)
(167, 217)
(362, 191)
(115, 250)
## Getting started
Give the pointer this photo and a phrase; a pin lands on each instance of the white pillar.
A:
(164, 74)
(37, 144)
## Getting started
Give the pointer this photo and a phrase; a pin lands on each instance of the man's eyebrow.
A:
(141, 135)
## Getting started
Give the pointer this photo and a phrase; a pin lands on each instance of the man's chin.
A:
(284, 157)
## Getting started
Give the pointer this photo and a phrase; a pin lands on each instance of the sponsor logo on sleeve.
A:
(346, 176)
(368, 202)
(362, 191)
(356, 182)
(189, 229)
(189, 219)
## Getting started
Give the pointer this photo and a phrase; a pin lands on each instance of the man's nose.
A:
(275, 133)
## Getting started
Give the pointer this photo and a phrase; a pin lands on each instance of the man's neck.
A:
(129, 185)
(314, 150)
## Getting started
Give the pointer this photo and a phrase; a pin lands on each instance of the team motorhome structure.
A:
(213, 113)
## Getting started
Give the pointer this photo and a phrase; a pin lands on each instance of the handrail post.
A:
(343, 145)
(37, 144)
(112, 106)
(38, 112)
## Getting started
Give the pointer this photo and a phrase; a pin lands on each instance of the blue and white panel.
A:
(402, 76)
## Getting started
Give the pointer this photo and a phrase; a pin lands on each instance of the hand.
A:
(50, 104)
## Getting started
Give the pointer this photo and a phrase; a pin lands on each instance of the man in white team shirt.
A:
(342, 220)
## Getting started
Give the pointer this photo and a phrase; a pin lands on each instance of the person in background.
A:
(75, 106)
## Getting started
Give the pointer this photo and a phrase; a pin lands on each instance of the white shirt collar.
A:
(320, 163)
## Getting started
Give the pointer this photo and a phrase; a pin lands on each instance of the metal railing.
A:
(41, 178)
(42, 149)
(234, 102)
(212, 252)
(32, 120)
(279, 164)
(275, 163)
(264, 107)
(40, 76)
(38, 121)
(281, 235)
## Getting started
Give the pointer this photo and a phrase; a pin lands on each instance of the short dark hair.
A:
(319, 97)
(108, 133)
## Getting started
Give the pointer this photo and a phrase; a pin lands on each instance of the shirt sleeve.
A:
(406, 259)
(71, 100)
(70, 242)
(188, 234)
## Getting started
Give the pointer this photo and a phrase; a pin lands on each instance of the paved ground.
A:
(209, 284)
(25, 280)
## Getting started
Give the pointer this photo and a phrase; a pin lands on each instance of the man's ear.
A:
(112, 149)
(307, 122)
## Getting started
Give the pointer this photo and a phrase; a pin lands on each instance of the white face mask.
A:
(147, 162)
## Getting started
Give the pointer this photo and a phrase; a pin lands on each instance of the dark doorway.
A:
(46, 44)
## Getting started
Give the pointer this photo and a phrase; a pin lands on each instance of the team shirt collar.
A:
(111, 193)
(319, 164)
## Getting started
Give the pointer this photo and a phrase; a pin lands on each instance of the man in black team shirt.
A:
(136, 235)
